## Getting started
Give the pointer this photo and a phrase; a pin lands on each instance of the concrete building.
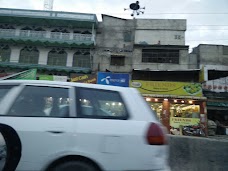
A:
(57, 43)
(152, 44)
(213, 58)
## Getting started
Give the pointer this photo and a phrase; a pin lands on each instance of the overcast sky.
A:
(207, 20)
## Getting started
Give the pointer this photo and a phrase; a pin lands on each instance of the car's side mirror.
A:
(10, 148)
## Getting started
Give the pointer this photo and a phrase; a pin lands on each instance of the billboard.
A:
(84, 78)
(168, 88)
(53, 78)
(114, 79)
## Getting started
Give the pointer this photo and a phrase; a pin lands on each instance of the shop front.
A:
(180, 106)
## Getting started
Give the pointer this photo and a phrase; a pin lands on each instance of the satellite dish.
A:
(135, 7)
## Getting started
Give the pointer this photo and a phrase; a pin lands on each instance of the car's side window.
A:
(41, 101)
(4, 89)
(97, 103)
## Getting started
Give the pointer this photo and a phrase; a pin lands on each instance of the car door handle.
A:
(56, 132)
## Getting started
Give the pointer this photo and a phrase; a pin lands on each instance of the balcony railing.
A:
(45, 35)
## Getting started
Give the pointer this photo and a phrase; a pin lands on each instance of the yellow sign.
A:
(177, 121)
(168, 88)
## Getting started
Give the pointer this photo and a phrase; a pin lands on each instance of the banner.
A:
(114, 79)
(84, 78)
(53, 78)
(46, 77)
(168, 88)
(25, 75)
(175, 122)
(217, 85)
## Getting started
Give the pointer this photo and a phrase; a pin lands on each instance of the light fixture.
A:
(85, 100)
(120, 104)
(113, 104)
(148, 99)
(182, 101)
(190, 101)
(166, 99)
(175, 101)
(155, 100)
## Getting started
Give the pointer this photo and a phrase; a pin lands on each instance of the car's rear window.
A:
(103, 104)
(4, 89)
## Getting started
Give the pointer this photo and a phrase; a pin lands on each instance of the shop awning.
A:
(174, 96)
(45, 67)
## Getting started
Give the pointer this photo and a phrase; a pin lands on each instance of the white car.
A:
(85, 127)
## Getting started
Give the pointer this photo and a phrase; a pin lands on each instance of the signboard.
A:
(114, 79)
(84, 78)
(53, 78)
(168, 88)
(218, 85)
(175, 122)
(46, 77)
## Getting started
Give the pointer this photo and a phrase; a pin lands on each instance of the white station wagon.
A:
(82, 127)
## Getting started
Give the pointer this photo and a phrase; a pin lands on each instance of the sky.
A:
(207, 20)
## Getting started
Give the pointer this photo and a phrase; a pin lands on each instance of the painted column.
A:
(165, 116)
(70, 55)
(43, 56)
(15, 53)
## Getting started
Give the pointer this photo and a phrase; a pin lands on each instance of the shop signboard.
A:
(176, 122)
(217, 85)
(84, 78)
(114, 79)
(46, 77)
(53, 78)
(168, 88)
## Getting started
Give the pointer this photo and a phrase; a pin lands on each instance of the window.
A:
(41, 102)
(82, 59)
(29, 55)
(4, 53)
(117, 60)
(94, 103)
(225, 50)
(160, 56)
(57, 57)
(127, 36)
(4, 89)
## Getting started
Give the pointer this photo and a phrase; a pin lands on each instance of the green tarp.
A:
(25, 75)
(45, 67)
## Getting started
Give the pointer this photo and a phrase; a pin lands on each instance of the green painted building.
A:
(53, 42)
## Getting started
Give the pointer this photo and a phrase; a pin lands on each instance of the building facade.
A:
(154, 44)
(57, 43)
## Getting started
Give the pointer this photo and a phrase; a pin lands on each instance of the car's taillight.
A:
(155, 135)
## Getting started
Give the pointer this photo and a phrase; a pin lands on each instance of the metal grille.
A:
(160, 56)
(81, 61)
(29, 55)
(57, 58)
(5, 53)
(117, 60)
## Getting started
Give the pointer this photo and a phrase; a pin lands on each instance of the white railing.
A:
(82, 37)
(56, 36)
(7, 32)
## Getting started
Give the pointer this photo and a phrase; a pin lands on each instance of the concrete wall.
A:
(110, 40)
(195, 154)
(167, 32)
(213, 54)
